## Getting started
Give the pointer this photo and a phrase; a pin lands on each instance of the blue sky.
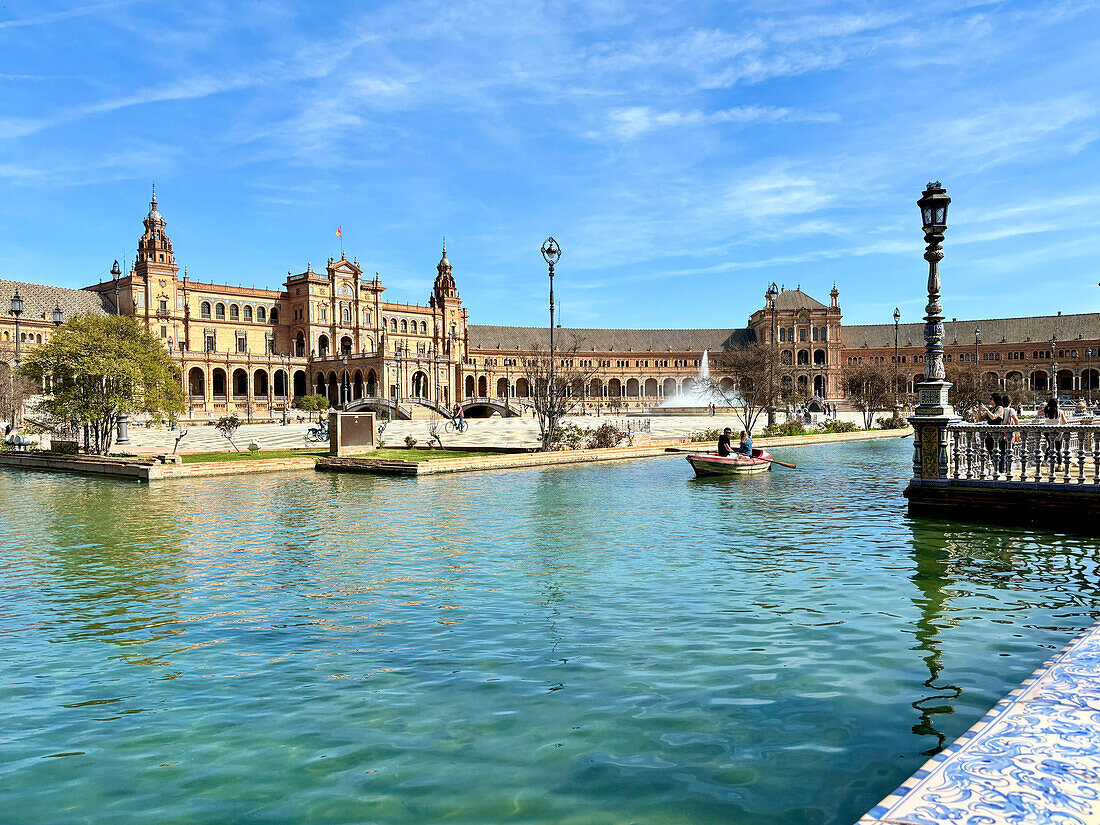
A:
(684, 155)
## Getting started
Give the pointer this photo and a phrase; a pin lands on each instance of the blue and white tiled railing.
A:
(1033, 759)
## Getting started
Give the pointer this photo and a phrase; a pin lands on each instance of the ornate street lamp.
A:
(551, 253)
(897, 320)
(16, 311)
(977, 341)
(770, 296)
(345, 383)
(116, 273)
(57, 316)
(1088, 376)
(933, 205)
(1054, 366)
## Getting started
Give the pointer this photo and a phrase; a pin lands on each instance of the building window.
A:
(248, 313)
(209, 343)
(347, 315)
(324, 313)
(404, 325)
(274, 315)
(242, 343)
(163, 306)
(234, 312)
(164, 332)
(219, 312)
(204, 310)
(782, 335)
(424, 328)
(261, 314)
(802, 334)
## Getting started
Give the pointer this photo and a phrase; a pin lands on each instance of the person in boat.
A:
(745, 447)
(724, 443)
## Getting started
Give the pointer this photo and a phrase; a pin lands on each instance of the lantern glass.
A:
(58, 315)
(940, 214)
(16, 304)
(926, 213)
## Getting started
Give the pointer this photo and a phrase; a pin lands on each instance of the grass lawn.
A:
(422, 455)
(201, 458)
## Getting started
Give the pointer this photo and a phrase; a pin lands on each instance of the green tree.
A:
(101, 367)
(313, 403)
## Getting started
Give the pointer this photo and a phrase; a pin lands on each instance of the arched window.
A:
(782, 334)
(247, 312)
(234, 312)
(366, 317)
(346, 315)
(204, 309)
(219, 311)
(393, 324)
(274, 315)
(261, 314)
(423, 328)
(404, 325)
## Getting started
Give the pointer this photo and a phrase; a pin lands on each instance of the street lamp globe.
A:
(772, 293)
(933, 208)
(16, 304)
(551, 251)
(116, 271)
(57, 315)
(897, 315)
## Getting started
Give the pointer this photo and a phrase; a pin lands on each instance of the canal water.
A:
(593, 644)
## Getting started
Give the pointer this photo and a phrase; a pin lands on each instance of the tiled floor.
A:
(1033, 759)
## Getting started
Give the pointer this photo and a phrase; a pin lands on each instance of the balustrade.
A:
(1035, 453)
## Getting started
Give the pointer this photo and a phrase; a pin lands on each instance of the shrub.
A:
(792, 427)
(894, 422)
(606, 435)
(571, 437)
(834, 426)
(705, 435)
(410, 442)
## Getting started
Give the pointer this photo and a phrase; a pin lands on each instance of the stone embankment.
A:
(168, 468)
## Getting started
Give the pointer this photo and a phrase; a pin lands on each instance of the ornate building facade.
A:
(252, 352)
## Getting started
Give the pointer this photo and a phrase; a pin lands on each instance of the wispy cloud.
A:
(60, 16)
(630, 122)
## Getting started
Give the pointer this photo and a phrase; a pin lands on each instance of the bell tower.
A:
(445, 288)
(154, 247)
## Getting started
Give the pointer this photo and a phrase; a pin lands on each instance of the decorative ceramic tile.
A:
(1033, 759)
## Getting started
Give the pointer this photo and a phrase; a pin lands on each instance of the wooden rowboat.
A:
(711, 464)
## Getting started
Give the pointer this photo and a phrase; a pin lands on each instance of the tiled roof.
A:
(797, 299)
(39, 301)
(1024, 331)
(485, 337)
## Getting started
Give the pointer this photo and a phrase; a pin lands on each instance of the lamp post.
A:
(285, 359)
(770, 296)
(16, 311)
(1088, 376)
(551, 252)
(977, 341)
(344, 388)
(1053, 366)
(897, 320)
(116, 273)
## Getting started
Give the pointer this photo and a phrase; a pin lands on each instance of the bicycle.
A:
(317, 433)
(456, 425)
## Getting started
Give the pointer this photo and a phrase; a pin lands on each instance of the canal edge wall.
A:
(1034, 757)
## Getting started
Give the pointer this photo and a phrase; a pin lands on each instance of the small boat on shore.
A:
(712, 464)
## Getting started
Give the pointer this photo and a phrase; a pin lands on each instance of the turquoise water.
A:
(597, 644)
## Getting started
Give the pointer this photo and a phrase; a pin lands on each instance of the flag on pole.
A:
(339, 233)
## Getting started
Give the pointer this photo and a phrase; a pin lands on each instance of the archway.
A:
(651, 388)
(482, 387)
(300, 384)
(1065, 381)
(280, 384)
(803, 358)
(196, 382)
(502, 388)
(469, 386)
(259, 384)
(595, 389)
(345, 345)
(669, 388)
(420, 385)
(320, 384)
(819, 386)
(726, 384)
(217, 383)
(372, 384)
(357, 385)
(300, 345)
(614, 388)
(819, 357)
(523, 389)
(322, 347)
(1090, 380)
(1040, 381)
(786, 357)
(240, 383)
(333, 389)
(633, 389)
(803, 385)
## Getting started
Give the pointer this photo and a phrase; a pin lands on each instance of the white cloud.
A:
(629, 122)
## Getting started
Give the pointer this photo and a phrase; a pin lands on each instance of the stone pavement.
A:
(483, 432)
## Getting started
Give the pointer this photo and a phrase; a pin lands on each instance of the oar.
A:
(781, 463)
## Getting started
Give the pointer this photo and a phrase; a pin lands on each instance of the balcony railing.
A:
(1033, 453)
